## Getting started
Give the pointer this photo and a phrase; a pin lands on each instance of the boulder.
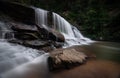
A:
(25, 36)
(23, 27)
(24, 31)
(55, 35)
(65, 58)
(50, 34)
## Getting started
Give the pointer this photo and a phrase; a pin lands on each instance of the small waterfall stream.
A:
(41, 17)
(71, 33)
(5, 31)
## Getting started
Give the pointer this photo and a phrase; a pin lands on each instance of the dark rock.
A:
(57, 44)
(57, 36)
(24, 31)
(51, 34)
(36, 43)
(23, 27)
(16, 41)
(25, 36)
(18, 12)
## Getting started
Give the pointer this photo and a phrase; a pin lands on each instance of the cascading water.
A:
(72, 34)
(61, 25)
(5, 31)
(41, 17)
(13, 55)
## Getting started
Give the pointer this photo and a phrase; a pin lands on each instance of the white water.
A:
(72, 34)
(61, 25)
(36, 68)
(5, 31)
(41, 17)
(13, 55)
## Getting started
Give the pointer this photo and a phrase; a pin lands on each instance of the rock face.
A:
(18, 12)
(51, 34)
(24, 32)
(59, 37)
(27, 30)
(36, 37)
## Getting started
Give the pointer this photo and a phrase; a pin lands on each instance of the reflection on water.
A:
(105, 50)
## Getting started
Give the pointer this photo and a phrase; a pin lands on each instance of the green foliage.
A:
(94, 21)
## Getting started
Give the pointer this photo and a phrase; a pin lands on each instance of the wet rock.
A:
(23, 27)
(58, 44)
(16, 41)
(47, 48)
(25, 36)
(50, 34)
(36, 43)
(65, 58)
(57, 36)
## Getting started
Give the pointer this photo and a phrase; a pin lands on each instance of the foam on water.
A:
(13, 55)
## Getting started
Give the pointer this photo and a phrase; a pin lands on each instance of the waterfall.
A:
(5, 31)
(41, 17)
(71, 33)
(61, 25)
